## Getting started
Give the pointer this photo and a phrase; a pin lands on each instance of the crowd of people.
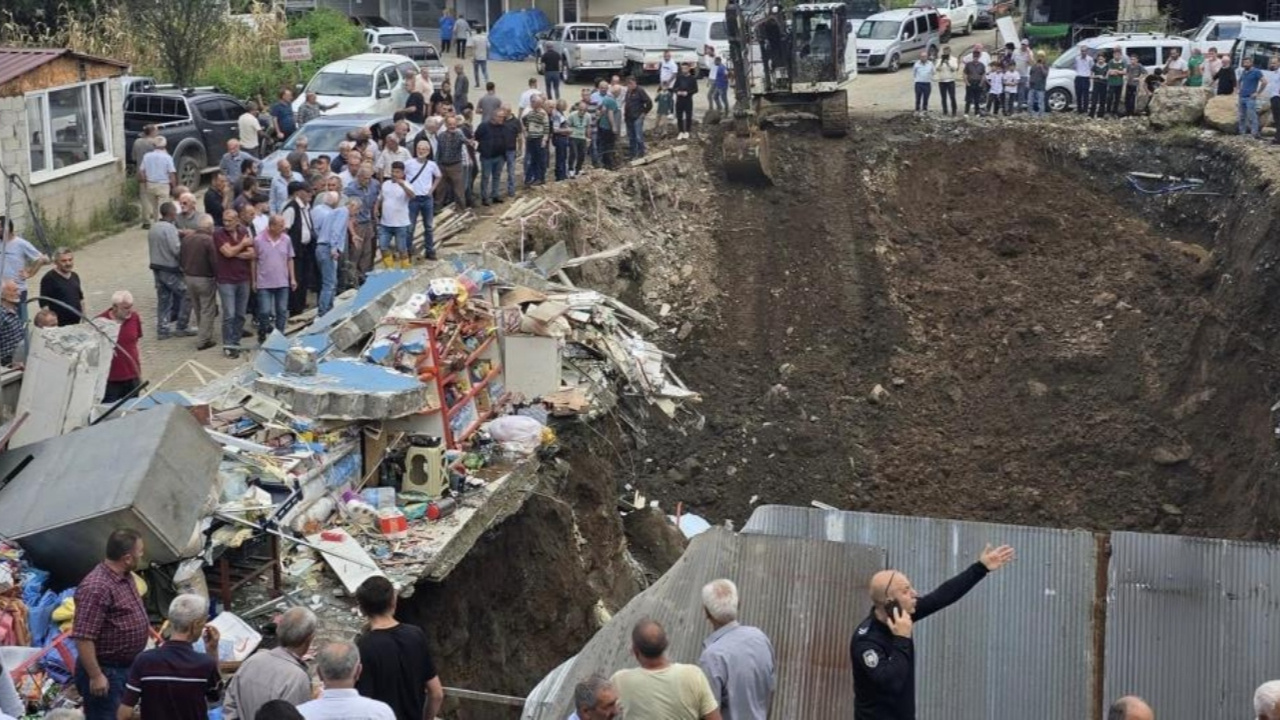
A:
(1108, 83)
(271, 250)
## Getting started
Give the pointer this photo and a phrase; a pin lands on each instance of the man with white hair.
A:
(173, 681)
(1130, 707)
(1266, 700)
(737, 659)
(276, 674)
(595, 699)
(312, 108)
(159, 176)
(331, 223)
(198, 259)
(11, 327)
(126, 364)
(338, 666)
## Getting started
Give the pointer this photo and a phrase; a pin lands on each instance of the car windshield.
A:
(396, 38)
(878, 30)
(341, 85)
(320, 138)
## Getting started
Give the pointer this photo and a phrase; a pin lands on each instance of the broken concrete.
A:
(347, 390)
(65, 376)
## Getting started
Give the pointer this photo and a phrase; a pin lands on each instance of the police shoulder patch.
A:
(870, 659)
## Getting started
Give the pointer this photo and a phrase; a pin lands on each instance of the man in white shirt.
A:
(338, 666)
(394, 222)
(1271, 91)
(1175, 71)
(249, 127)
(526, 97)
(1210, 67)
(392, 153)
(480, 57)
(667, 70)
(424, 176)
(1084, 75)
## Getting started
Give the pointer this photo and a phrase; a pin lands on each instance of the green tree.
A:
(184, 32)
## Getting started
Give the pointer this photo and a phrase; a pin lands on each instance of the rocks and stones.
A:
(1171, 455)
(1177, 106)
(878, 395)
(1222, 113)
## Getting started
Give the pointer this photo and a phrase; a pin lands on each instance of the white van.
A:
(706, 34)
(1260, 41)
(1153, 51)
(368, 83)
(669, 14)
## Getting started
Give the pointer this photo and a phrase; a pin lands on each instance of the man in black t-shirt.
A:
(398, 669)
(63, 285)
(415, 108)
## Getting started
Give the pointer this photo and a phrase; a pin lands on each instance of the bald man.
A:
(882, 651)
(1130, 707)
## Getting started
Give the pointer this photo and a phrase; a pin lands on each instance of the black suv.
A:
(196, 124)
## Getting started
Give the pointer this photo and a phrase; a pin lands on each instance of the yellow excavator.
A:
(788, 64)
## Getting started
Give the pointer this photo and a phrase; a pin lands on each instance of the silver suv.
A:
(888, 40)
(583, 48)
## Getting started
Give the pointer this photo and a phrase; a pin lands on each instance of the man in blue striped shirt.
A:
(232, 160)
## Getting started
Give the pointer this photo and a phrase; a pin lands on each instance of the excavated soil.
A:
(1050, 346)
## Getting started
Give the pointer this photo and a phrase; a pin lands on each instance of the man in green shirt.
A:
(1115, 83)
(1195, 68)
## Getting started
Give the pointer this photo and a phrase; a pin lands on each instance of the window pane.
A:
(69, 123)
(35, 133)
(101, 126)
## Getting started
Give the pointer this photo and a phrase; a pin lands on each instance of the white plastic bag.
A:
(523, 432)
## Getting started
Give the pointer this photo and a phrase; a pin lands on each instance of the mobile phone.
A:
(889, 608)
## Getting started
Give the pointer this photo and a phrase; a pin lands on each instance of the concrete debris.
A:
(66, 374)
(878, 395)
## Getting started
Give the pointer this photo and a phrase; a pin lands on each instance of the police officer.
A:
(882, 652)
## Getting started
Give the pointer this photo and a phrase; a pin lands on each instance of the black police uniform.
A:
(884, 665)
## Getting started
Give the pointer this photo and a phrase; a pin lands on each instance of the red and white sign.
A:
(295, 50)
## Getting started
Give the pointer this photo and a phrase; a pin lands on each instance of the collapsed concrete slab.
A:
(347, 389)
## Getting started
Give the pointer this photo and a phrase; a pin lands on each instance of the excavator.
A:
(788, 64)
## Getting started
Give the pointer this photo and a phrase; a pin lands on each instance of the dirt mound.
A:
(1007, 338)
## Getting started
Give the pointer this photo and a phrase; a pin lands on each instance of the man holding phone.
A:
(882, 651)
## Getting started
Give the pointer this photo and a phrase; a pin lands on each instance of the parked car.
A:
(137, 84)
(1258, 40)
(583, 48)
(669, 15)
(378, 38)
(195, 125)
(889, 39)
(644, 41)
(706, 34)
(944, 22)
(1220, 31)
(323, 136)
(368, 83)
(961, 15)
(1152, 50)
(426, 55)
(858, 10)
(988, 11)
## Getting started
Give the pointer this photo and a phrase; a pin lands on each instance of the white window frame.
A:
(97, 156)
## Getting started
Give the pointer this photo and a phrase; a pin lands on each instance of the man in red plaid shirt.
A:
(111, 626)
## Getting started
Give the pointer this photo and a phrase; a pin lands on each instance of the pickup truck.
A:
(644, 42)
(1219, 31)
(583, 48)
(197, 126)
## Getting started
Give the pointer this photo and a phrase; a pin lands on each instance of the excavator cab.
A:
(818, 48)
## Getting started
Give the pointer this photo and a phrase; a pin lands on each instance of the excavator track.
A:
(835, 115)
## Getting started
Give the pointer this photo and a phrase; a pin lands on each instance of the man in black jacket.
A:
(491, 145)
(635, 108)
(882, 651)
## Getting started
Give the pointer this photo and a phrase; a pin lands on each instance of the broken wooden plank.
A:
(602, 255)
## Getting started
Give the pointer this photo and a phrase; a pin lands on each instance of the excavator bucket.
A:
(746, 157)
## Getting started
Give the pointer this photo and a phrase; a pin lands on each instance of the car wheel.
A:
(1058, 100)
(968, 27)
(189, 171)
(895, 62)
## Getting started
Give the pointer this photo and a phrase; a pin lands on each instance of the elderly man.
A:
(352, 160)
(12, 329)
(424, 176)
(364, 189)
(274, 276)
(392, 152)
(338, 665)
(302, 234)
(1130, 707)
(299, 159)
(283, 122)
(234, 244)
(1266, 700)
(232, 160)
(126, 364)
(111, 626)
(491, 144)
(312, 108)
(198, 259)
(737, 659)
(1083, 65)
(159, 176)
(882, 652)
(330, 221)
(537, 133)
(397, 661)
(461, 88)
(452, 145)
(279, 194)
(188, 215)
(660, 689)
(142, 145)
(61, 290)
(173, 681)
(171, 292)
(595, 699)
(276, 674)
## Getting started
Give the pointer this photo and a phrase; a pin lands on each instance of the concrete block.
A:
(65, 376)
(347, 390)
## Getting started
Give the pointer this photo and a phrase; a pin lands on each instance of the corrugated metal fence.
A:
(1191, 624)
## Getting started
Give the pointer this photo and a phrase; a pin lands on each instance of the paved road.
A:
(120, 261)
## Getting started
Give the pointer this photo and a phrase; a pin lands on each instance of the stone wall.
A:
(71, 199)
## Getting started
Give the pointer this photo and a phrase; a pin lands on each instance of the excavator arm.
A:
(746, 146)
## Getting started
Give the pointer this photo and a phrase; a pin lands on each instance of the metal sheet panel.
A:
(1192, 623)
(1023, 635)
(795, 590)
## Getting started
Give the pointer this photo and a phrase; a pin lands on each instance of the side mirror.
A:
(384, 92)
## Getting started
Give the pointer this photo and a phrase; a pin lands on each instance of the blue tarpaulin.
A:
(512, 36)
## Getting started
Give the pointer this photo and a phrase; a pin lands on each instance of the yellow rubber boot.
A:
(406, 263)
(388, 261)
